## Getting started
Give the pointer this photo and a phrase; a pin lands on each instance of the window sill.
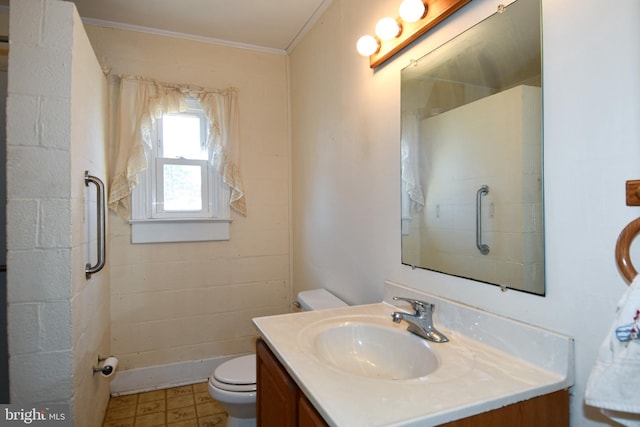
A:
(179, 230)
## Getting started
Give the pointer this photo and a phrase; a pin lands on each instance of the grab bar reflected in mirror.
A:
(100, 219)
(482, 191)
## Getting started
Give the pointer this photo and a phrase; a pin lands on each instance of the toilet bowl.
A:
(233, 383)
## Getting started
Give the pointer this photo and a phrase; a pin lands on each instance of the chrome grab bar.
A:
(100, 218)
(482, 191)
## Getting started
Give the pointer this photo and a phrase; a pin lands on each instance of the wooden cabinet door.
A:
(308, 416)
(277, 393)
(550, 410)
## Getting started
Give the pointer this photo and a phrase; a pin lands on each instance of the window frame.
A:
(150, 223)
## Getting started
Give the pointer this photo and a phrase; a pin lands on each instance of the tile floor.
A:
(186, 406)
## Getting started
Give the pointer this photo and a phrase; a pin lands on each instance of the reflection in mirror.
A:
(471, 154)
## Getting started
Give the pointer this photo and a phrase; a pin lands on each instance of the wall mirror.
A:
(471, 152)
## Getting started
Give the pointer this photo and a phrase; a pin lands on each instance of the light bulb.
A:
(367, 45)
(412, 10)
(387, 28)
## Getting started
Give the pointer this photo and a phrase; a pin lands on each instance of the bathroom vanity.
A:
(281, 403)
(354, 367)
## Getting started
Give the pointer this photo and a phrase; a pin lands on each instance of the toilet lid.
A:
(237, 371)
(242, 388)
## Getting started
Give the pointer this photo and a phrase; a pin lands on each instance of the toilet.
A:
(233, 383)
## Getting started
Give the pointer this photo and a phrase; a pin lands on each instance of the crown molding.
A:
(192, 37)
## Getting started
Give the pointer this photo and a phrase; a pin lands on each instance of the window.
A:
(181, 185)
(179, 196)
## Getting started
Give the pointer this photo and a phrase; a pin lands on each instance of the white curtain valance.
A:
(140, 102)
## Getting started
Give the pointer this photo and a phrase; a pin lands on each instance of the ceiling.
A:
(272, 25)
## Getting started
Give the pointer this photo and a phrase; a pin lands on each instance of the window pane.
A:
(182, 187)
(181, 136)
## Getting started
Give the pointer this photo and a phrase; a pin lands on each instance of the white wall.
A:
(90, 299)
(58, 321)
(174, 303)
(346, 166)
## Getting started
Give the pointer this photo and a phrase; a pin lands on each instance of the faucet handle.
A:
(418, 306)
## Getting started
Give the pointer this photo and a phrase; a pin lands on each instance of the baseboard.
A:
(164, 376)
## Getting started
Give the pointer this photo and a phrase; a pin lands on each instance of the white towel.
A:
(614, 383)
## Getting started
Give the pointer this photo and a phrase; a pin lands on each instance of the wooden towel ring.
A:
(623, 250)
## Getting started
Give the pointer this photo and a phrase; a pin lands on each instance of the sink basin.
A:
(375, 351)
(371, 348)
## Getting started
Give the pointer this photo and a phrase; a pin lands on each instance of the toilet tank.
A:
(318, 299)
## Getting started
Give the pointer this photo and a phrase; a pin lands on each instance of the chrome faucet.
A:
(421, 321)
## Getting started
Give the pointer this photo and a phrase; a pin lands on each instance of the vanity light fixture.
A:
(367, 45)
(388, 28)
(412, 10)
(416, 18)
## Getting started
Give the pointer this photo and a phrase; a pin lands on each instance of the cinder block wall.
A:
(58, 322)
(38, 204)
(180, 303)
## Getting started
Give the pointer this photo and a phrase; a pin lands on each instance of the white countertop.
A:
(481, 369)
